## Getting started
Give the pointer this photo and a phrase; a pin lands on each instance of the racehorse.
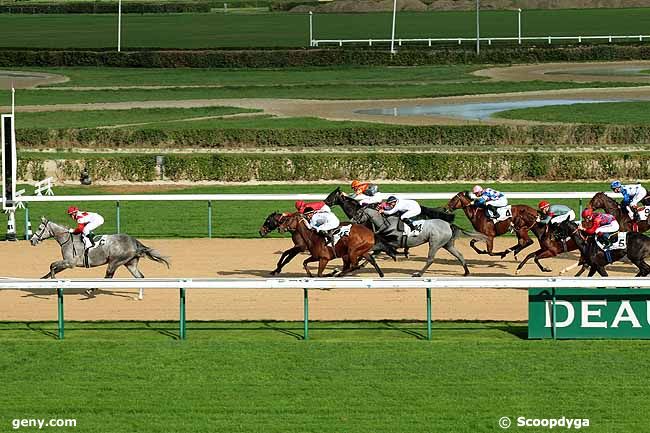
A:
(548, 247)
(350, 207)
(638, 248)
(603, 201)
(523, 218)
(112, 250)
(272, 223)
(438, 233)
(357, 244)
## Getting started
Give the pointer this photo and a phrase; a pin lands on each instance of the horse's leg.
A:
(322, 262)
(310, 259)
(523, 242)
(544, 255)
(528, 257)
(285, 258)
(132, 266)
(489, 242)
(454, 252)
(56, 267)
(432, 252)
(374, 264)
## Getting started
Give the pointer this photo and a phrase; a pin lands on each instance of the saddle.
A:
(615, 241)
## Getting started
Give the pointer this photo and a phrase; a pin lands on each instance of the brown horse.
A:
(523, 218)
(548, 247)
(272, 223)
(351, 248)
(603, 201)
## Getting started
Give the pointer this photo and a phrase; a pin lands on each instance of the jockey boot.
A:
(329, 239)
(604, 240)
(491, 212)
(409, 222)
(88, 241)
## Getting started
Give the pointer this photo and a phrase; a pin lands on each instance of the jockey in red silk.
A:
(316, 205)
(86, 223)
(600, 224)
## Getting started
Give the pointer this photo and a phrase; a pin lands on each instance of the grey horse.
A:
(112, 250)
(438, 233)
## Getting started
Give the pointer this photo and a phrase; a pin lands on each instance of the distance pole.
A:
(478, 33)
(13, 102)
(519, 25)
(119, 25)
(392, 37)
(311, 29)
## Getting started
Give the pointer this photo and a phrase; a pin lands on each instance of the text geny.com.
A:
(41, 423)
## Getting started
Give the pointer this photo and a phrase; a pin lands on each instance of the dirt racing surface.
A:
(227, 258)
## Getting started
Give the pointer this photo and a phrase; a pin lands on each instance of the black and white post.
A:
(519, 25)
(8, 137)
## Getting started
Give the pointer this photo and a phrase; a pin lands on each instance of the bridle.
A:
(39, 235)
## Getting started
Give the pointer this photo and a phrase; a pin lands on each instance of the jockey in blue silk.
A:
(633, 196)
(489, 198)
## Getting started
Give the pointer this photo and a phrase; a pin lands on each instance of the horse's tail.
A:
(145, 251)
(457, 231)
(437, 213)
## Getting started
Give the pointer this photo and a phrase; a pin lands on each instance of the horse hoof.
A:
(416, 275)
(518, 271)
(90, 293)
(273, 273)
(547, 270)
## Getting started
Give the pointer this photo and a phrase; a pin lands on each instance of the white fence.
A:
(459, 41)
(306, 284)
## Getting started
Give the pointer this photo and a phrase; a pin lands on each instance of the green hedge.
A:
(278, 58)
(395, 166)
(105, 7)
(439, 136)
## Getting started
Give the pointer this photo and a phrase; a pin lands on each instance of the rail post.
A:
(306, 314)
(27, 224)
(182, 330)
(117, 211)
(209, 218)
(59, 293)
(429, 313)
(553, 314)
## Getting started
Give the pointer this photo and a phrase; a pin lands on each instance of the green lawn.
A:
(89, 76)
(325, 91)
(93, 119)
(286, 29)
(629, 113)
(350, 377)
(240, 219)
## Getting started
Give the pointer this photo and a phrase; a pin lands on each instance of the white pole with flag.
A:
(392, 37)
(119, 25)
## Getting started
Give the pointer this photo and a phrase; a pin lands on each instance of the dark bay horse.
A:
(638, 248)
(357, 244)
(609, 205)
(548, 247)
(523, 219)
(272, 223)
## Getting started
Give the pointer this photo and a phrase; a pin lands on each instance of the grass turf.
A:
(606, 113)
(352, 377)
(288, 29)
(91, 76)
(306, 91)
(97, 118)
(239, 219)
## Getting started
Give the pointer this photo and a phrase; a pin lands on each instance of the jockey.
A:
(633, 196)
(324, 222)
(490, 198)
(316, 205)
(408, 209)
(366, 193)
(555, 214)
(601, 224)
(86, 223)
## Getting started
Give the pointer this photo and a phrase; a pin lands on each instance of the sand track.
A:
(230, 258)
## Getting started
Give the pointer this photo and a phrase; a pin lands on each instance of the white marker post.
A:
(478, 33)
(519, 25)
(392, 37)
(311, 29)
(119, 25)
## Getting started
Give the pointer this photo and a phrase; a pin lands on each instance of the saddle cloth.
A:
(618, 243)
(406, 230)
(643, 214)
(503, 213)
(341, 232)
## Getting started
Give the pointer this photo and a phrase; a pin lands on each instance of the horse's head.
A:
(567, 229)
(334, 197)
(459, 201)
(271, 223)
(289, 222)
(44, 232)
(602, 201)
